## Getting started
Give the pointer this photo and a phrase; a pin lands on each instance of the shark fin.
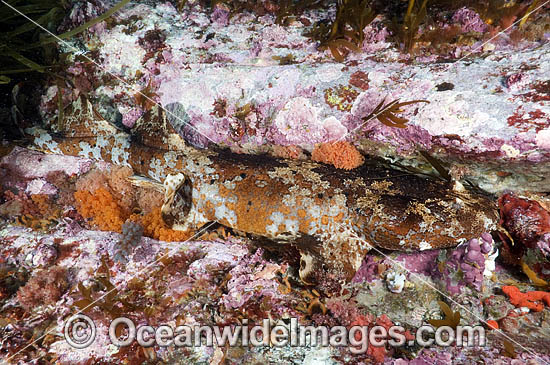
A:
(152, 129)
(81, 120)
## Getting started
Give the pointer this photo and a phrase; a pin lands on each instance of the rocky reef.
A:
(449, 101)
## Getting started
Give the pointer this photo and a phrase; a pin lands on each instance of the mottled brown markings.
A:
(388, 208)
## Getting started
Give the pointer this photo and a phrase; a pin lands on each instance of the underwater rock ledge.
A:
(488, 116)
(72, 228)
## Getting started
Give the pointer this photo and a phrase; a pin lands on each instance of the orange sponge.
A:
(100, 205)
(341, 154)
(533, 299)
(107, 215)
(154, 227)
(43, 203)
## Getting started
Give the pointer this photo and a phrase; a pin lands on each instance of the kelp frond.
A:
(530, 10)
(345, 33)
(408, 30)
(451, 319)
(386, 114)
(86, 25)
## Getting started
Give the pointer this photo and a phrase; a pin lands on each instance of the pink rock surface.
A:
(228, 86)
(30, 165)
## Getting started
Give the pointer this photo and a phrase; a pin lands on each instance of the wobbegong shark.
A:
(332, 216)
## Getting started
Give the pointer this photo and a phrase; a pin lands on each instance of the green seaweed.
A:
(26, 43)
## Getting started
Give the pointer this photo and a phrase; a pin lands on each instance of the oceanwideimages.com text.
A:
(80, 332)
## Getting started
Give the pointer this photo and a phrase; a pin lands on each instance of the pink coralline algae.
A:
(220, 15)
(44, 255)
(376, 34)
(517, 81)
(252, 282)
(202, 129)
(469, 20)
(410, 138)
(465, 265)
(420, 262)
(298, 123)
(83, 12)
(368, 271)
(45, 287)
(129, 118)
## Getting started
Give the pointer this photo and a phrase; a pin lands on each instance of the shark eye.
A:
(178, 200)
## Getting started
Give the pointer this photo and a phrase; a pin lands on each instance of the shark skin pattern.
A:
(332, 216)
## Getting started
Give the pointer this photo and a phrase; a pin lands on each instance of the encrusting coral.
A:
(341, 154)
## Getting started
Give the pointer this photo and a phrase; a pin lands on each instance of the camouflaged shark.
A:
(332, 216)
